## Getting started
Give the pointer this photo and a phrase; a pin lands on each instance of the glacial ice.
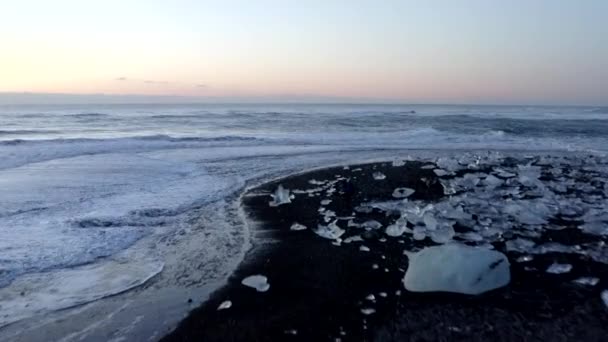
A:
(556, 268)
(258, 282)
(378, 176)
(589, 281)
(296, 226)
(402, 192)
(280, 196)
(456, 268)
(331, 231)
(225, 305)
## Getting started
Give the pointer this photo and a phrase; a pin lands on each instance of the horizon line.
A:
(281, 99)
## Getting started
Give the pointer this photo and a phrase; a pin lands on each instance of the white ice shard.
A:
(371, 224)
(331, 231)
(280, 196)
(258, 282)
(604, 296)
(378, 176)
(325, 202)
(364, 248)
(403, 192)
(354, 238)
(456, 268)
(297, 226)
(590, 281)
(225, 305)
(440, 172)
(396, 230)
(556, 268)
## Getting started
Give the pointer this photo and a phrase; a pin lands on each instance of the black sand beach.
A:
(324, 291)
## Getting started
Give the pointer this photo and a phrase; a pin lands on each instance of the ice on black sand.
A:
(378, 176)
(225, 305)
(403, 192)
(258, 282)
(297, 226)
(456, 268)
(331, 231)
(281, 196)
(556, 268)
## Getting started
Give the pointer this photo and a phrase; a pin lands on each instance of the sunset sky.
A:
(476, 51)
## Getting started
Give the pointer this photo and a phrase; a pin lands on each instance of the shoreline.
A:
(318, 290)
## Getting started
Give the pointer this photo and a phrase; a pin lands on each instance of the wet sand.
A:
(320, 291)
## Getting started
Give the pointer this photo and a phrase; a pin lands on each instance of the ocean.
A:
(99, 199)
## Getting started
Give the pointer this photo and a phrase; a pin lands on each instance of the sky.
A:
(470, 51)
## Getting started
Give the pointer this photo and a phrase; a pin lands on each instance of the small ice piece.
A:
(504, 174)
(398, 162)
(296, 226)
(556, 268)
(456, 268)
(370, 311)
(419, 233)
(471, 236)
(443, 235)
(258, 282)
(429, 221)
(325, 202)
(225, 305)
(371, 297)
(396, 230)
(364, 248)
(316, 182)
(428, 167)
(604, 296)
(378, 176)
(375, 266)
(590, 281)
(383, 294)
(525, 258)
(280, 196)
(371, 224)
(291, 332)
(403, 192)
(492, 181)
(354, 238)
(331, 231)
(440, 172)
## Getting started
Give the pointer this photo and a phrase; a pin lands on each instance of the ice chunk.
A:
(419, 233)
(398, 162)
(604, 296)
(429, 221)
(556, 268)
(403, 192)
(258, 282)
(371, 297)
(331, 231)
(325, 202)
(428, 167)
(364, 249)
(396, 230)
(443, 235)
(297, 226)
(280, 196)
(456, 268)
(225, 305)
(440, 172)
(371, 224)
(591, 281)
(378, 176)
(368, 311)
(355, 238)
